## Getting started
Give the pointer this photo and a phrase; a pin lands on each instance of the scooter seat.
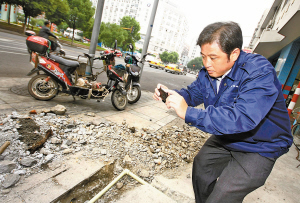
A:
(135, 69)
(65, 62)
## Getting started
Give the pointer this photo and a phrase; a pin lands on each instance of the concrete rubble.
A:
(145, 152)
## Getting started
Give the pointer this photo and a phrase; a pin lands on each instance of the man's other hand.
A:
(176, 102)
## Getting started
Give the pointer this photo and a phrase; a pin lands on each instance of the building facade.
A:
(4, 12)
(277, 37)
(170, 26)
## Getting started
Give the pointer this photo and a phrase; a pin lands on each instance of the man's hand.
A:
(56, 37)
(176, 102)
(156, 94)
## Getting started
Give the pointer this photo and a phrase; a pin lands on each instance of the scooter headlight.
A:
(135, 73)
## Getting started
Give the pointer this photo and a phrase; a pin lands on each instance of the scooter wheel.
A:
(40, 89)
(119, 100)
(134, 95)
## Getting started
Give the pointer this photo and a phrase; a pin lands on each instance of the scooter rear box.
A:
(37, 44)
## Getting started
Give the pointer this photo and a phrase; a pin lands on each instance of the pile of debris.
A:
(36, 140)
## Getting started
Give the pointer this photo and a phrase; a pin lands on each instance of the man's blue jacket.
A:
(248, 113)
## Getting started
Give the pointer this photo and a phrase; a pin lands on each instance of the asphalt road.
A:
(14, 62)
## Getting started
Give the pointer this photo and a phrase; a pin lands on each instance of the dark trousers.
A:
(53, 45)
(223, 176)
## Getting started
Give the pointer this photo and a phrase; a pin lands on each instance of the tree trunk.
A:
(25, 21)
(8, 17)
(73, 32)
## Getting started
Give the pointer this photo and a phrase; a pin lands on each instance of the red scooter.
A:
(67, 76)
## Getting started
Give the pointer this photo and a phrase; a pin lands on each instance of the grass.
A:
(80, 43)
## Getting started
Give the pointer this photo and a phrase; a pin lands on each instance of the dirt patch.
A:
(29, 132)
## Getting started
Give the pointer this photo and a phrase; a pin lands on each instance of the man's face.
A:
(216, 61)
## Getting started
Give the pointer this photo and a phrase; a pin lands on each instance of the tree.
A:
(88, 28)
(133, 35)
(57, 11)
(40, 22)
(195, 64)
(173, 57)
(33, 21)
(109, 32)
(167, 57)
(164, 57)
(81, 11)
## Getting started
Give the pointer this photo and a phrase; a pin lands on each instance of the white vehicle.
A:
(78, 34)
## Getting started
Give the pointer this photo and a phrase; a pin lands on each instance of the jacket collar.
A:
(235, 74)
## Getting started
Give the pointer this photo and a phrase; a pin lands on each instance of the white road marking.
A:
(8, 52)
(13, 47)
(6, 40)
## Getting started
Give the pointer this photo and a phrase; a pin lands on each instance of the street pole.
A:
(95, 34)
(148, 34)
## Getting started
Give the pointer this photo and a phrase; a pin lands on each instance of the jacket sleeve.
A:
(193, 94)
(257, 94)
(50, 33)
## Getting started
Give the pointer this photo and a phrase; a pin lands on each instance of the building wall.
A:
(4, 13)
(277, 37)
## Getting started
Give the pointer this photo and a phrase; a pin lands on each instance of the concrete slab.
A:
(142, 115)
(180, 185)
(44, 193)
(4, 89)
(145, 194)
(155, 126)
(166, 120)
(47, 186)
(152, 112)
(9, 82)
(5, 106)
(161, 105)
(9, 98)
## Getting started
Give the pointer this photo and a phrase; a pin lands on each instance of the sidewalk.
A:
(146, 113)
(282, 186)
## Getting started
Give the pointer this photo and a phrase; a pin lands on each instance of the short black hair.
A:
(46, 23)
(228, 35)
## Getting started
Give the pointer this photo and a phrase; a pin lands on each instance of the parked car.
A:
(176, 69)
(156, 64)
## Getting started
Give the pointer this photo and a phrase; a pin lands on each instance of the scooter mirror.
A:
(130, 46)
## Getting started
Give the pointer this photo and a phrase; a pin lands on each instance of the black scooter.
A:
(133, 86)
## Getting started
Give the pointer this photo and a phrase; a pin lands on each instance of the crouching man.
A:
(244, 111)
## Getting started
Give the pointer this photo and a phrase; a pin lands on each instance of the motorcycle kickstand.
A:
(73, 98)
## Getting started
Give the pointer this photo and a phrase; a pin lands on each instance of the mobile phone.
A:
(163, 94)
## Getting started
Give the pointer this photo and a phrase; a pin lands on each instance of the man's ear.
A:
(235, 54)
